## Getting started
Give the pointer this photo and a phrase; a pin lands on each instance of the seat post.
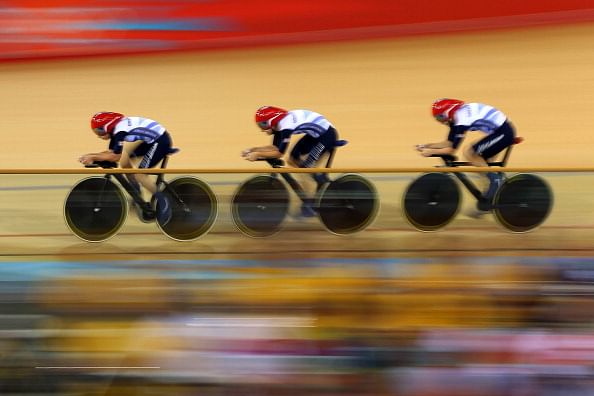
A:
(164, 161)
(330, 158)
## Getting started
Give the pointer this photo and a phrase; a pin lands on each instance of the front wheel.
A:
(348, 204)
(260, 205)
(431, 201)
(194, 209)
(95, 209)
(523, 202)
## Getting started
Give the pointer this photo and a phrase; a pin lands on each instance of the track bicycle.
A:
(96, 208)
(345, 205)
(521, 203)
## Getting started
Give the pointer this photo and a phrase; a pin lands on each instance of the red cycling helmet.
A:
(267, 117)
(443, 109)
(104, 122)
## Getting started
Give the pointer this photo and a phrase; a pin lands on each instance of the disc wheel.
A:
(431, 201)
(194, 209)
(348, 204)
(260, 205)
(523, 202)
(95, 209)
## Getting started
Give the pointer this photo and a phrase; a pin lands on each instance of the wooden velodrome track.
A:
(377, 93)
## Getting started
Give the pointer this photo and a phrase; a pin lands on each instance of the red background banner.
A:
(33, 29)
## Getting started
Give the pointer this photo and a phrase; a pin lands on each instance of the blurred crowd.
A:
(454, 326)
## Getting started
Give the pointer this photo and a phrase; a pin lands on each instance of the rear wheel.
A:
(95, 209)
(431, 201)
(260, 205)
(523, 202)
(194, 209)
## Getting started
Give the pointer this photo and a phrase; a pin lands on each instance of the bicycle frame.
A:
(133, 192)
(294, 184)
(450, 161)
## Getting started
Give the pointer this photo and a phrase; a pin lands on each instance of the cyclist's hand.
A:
(420, 147)
(86, 159)
(252, 156)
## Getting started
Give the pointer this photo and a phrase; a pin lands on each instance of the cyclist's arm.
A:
(439, 148)
(277, 149)
(107, 155)
(262, 152)
(446, 147)
(438, 145)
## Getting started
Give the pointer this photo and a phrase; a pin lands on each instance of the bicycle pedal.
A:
(306, 212)
(484, 205)
(146, 215)
(149, 217)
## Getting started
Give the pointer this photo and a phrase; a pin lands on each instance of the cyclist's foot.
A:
(483, 207)
(163, 208)
(145, 213)
(306, 212)
(476, 213)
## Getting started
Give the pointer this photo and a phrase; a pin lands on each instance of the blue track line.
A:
(217, 269)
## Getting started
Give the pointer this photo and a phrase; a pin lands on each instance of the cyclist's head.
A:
(267, 117)
(443, 109)
(103, 123)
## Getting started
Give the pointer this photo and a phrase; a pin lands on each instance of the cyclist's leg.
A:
(483, 150)
(131, 153)
(155, 153)
(299, 151)
(322, 146)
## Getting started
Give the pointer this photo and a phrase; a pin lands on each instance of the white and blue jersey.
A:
(304, 121)
(479, 117)
(307, 122)
(156, 140)
(320, 136)
(484, 118)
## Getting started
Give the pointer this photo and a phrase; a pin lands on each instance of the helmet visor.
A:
(441, 117)
(99, 131)
(263, 125)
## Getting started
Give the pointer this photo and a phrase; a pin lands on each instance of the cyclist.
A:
(461, 117)
(133, 141)
(319, 138)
